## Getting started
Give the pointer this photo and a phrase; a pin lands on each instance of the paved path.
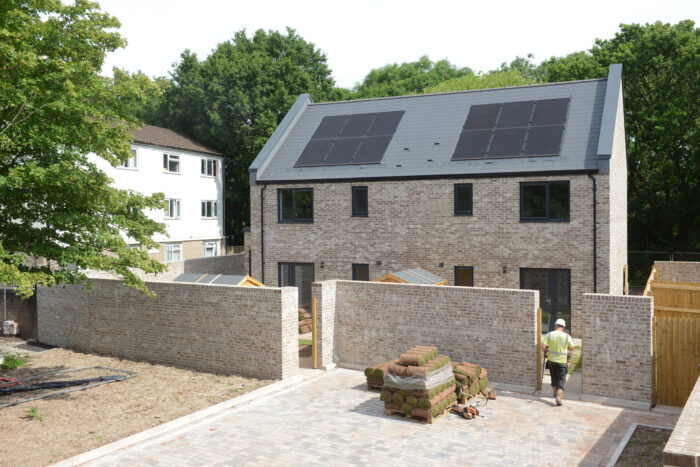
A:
(334, 420)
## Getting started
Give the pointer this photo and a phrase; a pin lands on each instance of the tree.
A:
(407, 78)
(662, 120)
(235, 98)
(55, 109)
(492, 79)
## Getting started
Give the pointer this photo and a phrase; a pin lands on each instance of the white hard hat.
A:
(560, 322)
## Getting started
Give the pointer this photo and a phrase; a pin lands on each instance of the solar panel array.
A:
(350, 139)
(513, 129)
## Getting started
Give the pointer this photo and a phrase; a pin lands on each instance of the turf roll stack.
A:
(420, 384)
(375, 374)
(471, 378)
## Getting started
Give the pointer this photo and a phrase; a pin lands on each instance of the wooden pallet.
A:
(371, 386)
(419, 418)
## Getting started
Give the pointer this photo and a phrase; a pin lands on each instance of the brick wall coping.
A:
(447, 287)
(683, 448)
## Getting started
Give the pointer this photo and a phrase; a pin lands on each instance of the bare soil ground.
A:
(52, 429)
(645, 447)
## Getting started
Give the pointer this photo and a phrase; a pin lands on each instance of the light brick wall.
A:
(618, 206)
(678, 271)
(374, 322)
(225, 264)
(411, 224)
(617, 346)
(683, 448)
(325, 295)
(251, 331)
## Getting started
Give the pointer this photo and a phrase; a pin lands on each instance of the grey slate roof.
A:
(438, 118)
(218, 279)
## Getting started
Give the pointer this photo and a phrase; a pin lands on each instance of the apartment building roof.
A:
(166, 138)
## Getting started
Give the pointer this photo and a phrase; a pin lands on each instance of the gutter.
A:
(595, 235)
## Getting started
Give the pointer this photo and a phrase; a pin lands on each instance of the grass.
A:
(33, 414)
(12, 361)
(576, 360)
(303, 342)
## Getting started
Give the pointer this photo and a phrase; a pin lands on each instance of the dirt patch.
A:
(49, 430)
(645, 447)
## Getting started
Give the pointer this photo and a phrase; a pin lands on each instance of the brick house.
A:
(520, 187)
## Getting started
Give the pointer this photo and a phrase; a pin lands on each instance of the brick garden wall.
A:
(226, 264)
(250, 331)
(374, 322)
(683, 448)
(618, 346)
(678, 271)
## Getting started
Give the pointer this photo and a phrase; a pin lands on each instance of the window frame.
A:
(469, 268)
(134, 158)
(354, 271)
(168, 210)
(168, 250)
(471, 199)
(205, 208)
(206, 164)
(548, 185)
(166, 163)
(215, 244)
(294, 192)
(354, 190)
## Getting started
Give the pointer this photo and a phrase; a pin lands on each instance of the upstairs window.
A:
(544, 201)
(360, 201)
(209, 167)
(210, 209)
(463, 199)
(295, 205)
(130, 163)
(171, 163)
(172, 210)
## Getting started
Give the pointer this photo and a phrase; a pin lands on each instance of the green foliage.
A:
(407, 78)
(12, 361)
(235, 98)
(33, 414)
(54, 110)
(492, 79)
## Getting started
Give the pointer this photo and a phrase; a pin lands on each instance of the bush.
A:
(12, 361)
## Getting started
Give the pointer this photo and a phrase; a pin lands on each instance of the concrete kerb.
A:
(187, 421)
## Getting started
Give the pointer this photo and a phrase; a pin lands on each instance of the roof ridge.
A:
(459, 92)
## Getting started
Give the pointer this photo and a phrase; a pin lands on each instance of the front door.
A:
(554, 286)
(299, 275)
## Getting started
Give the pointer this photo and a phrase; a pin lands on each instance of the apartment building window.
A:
(130, 163)
(171, 163)
(173, 252)
(360, 201)
(544, 201)
(463, 199)
(360, 272)
(210, 249)
(172, 209)
(464, 276)
(210, 209)
(209, 167)
(295, 205)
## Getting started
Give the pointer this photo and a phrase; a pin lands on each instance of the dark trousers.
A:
(558, 373)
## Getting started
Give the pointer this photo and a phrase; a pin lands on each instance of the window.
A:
(172, 211)
(464, 276)
(210, 249)
(295, 205)
(463, 199)
(173, 252)
(544, 201)
(360, 272)
(130, 163)
(359, 201)
(171, 163)
(209, 167)
(210, 209)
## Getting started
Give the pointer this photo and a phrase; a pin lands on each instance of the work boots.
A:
(554, 391)
(558, 396)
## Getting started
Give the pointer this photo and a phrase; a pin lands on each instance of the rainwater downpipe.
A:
(262, 234)
(595, 236)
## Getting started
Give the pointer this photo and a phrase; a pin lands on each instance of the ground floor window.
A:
(210, 249)
(464, 276)
(554, 286)
(360, 272)
(173, 252)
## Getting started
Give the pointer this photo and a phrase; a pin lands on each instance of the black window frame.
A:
(354, 271)
(294, 192)
(547, 217)
(366, 211)
(471, 199)
(469, 268)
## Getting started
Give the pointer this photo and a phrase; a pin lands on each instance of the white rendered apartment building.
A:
(191, 177)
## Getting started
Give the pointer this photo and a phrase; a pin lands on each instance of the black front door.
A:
(299, 275)
(554, 286)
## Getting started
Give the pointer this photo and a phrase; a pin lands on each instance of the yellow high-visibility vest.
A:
(558, 343)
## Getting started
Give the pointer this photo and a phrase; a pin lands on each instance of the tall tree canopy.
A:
(235, 98)
(492, 79)
(54, 110)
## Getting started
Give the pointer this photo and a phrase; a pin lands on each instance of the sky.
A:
(359, 35)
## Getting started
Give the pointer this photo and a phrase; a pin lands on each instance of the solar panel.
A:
(507, 142)
(342, 151)
(314, 153)
(372, 150)
(515, 114)
(550, 112)
(385, 123)
(544, 140)
(357, 125)
(482, 117)
(330, 127)
(472, 145)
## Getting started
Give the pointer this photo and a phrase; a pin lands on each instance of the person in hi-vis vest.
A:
(556, 344)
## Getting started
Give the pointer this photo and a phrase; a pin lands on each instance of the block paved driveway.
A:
(334, 420)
